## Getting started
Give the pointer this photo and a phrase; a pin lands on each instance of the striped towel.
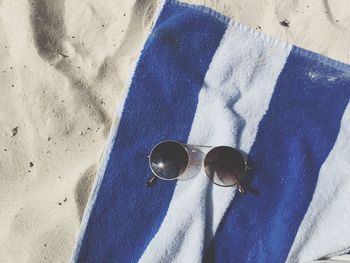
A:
(204, 79)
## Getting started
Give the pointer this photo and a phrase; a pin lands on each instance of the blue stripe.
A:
(293, 140)
(160, 105)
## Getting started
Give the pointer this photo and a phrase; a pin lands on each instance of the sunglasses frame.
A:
(170, 179)
(151, 181)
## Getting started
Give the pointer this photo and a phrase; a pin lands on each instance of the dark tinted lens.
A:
(168, 160)
(224, 165)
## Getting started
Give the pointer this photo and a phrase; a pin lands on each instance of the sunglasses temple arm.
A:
(239, 186)
(151, 181)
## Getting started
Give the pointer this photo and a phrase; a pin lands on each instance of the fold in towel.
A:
(204, 79)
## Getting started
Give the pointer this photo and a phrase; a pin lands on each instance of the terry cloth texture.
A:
(204, 79)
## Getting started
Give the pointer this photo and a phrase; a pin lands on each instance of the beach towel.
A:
(204, 79)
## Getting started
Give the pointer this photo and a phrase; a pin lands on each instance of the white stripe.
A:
(325, 229)
(236, 93)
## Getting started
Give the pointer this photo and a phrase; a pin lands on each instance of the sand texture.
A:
(63, 67)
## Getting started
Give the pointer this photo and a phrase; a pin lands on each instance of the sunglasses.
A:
(170, 160)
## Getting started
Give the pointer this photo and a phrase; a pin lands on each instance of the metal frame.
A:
(152, 180)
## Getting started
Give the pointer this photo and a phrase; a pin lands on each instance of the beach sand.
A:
(63, 67)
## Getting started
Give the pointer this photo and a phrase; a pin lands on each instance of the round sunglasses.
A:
(170, 160)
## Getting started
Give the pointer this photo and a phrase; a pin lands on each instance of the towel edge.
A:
(107, 150)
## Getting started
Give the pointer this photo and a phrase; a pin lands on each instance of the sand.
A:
(63, 67)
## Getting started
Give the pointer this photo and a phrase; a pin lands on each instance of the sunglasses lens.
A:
(168, 160)
(224, 165)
